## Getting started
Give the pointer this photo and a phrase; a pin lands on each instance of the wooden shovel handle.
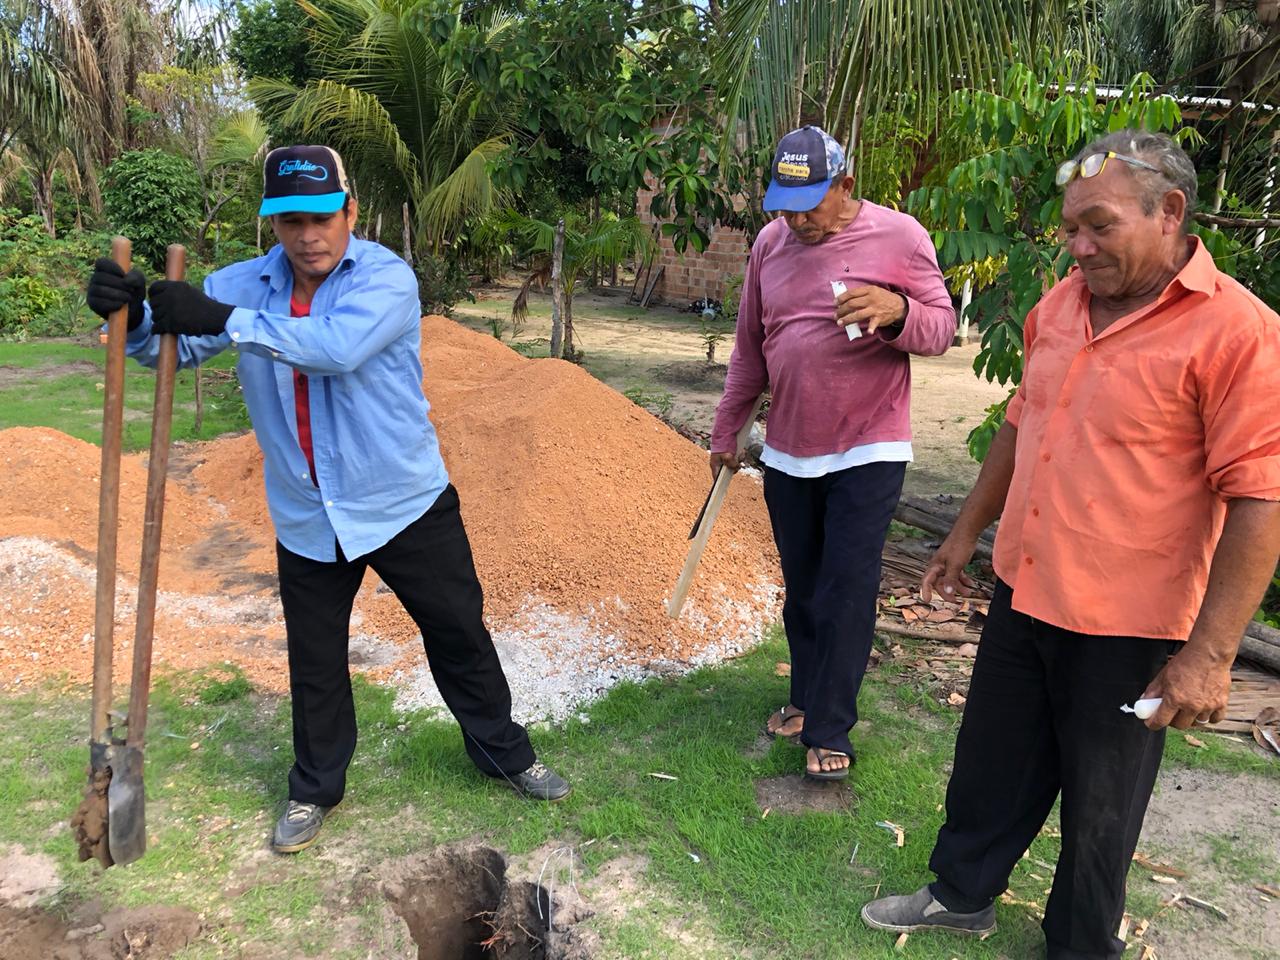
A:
(104, 613)
(157, 470)
(718, 492)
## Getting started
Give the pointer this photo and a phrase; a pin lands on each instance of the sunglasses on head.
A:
(1094, 164)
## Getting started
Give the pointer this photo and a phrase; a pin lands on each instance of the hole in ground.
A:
(458, 905)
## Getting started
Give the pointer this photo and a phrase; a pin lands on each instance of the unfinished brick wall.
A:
(694, 275)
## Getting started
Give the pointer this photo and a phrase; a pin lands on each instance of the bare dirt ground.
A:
(661, 350)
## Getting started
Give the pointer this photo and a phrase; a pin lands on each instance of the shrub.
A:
(155, 199)
(441, 284)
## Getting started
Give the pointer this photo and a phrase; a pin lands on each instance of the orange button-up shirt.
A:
(1130, 444)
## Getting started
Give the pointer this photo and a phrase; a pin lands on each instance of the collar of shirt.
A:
(278, 272)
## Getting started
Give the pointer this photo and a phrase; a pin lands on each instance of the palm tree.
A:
(587, 245)
(412, 128)
(838, 63)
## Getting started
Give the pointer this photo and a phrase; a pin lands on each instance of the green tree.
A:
(999, 200)
(155, 199)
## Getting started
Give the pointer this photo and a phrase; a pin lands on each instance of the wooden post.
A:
(962, 315)
(408, 244)
(1220, 188)
(259, 234)
(557, 290)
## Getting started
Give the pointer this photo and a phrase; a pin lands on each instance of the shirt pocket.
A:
(1144, 399)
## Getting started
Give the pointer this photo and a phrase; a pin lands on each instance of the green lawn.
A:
(59, 384)
(761, 884)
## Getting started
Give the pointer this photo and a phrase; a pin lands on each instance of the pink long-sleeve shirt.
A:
(830, 393)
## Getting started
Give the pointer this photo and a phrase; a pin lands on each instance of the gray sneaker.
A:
(298, 827)
(540, 783)
(920, 911)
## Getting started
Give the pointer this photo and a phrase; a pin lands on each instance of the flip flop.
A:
(823, 753)
(783, 716)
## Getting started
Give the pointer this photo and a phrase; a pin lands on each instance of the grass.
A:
(760, 886)
(59, 384)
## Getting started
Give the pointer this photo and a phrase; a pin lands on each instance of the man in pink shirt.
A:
(837, 294)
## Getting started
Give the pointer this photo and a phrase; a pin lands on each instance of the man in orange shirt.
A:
(1137, 476)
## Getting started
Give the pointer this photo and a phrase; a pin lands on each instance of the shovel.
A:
(90, 821)
(701, 531)
(126, 797)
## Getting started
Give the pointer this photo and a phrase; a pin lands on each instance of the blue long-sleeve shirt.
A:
(377, 458)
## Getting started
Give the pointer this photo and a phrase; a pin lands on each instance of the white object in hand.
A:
(1143, 709)
(852, 330)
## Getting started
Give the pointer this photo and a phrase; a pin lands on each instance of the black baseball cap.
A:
(303, 179)
(805, 163)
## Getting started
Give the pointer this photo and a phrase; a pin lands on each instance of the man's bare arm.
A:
(1196, 682)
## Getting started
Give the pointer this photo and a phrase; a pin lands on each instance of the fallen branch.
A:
(1259, 651)
(937, 526)
(915, 633)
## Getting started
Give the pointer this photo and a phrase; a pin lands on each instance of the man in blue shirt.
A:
(327, 328)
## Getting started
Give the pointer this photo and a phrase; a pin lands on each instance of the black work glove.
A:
(110, 288)
(178, 307)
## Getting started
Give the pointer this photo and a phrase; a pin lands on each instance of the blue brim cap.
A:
(303, 203)
(795, 199)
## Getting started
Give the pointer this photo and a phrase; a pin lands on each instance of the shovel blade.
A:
(127, 806)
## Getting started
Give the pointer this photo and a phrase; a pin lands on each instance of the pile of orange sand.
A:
(578, 504)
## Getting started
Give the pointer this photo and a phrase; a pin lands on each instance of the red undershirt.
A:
(302, 397)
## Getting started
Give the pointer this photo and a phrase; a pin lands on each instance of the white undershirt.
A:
(890, 451)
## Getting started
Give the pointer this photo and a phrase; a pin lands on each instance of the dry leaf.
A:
(967, 650)
(1268, 890)
(941, 616)
(782, 669)
(1266, 729)
(1194, 741)
(909, 614)
(1156, 878)
(956, 700)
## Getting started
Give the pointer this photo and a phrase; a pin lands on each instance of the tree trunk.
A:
(377, 230)
(259, 234)
(408, 244)
(595, 264)
(557, 290)
(962, 316)
(42, 199)
(570, 352)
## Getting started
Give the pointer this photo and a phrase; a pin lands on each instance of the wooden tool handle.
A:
(104, 613)
(719, 490)
(153, 522)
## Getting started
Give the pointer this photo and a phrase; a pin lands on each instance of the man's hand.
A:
(946, 569)
(110, 288)
(874, 306)
(718, 460)
(178, 307)
(1194, 687)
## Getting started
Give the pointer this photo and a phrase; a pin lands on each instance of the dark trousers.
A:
(428, 565)
(830, 533)
(1043, 718)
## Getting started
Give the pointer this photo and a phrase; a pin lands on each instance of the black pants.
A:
(1043, 718)
(429, 567)
(830, 534)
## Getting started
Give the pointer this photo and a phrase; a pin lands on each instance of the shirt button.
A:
(1045, 457)
(1029, 561)
(235, 335)
(1035, 511)
(328, 503)
(304, 476)
(1066, 403)
(1089, 349)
